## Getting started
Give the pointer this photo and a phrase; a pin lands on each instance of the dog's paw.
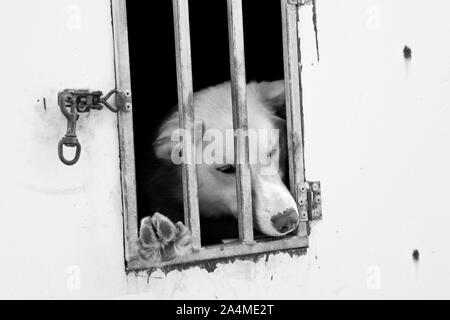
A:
(162, 240)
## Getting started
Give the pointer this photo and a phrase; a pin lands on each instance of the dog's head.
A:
(274, 209)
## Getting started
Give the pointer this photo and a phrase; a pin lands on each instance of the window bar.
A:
(294, 108)
(240, 125)
(186, 112)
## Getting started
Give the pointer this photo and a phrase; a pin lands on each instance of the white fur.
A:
(217, 191)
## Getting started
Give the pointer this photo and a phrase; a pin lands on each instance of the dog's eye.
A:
(227, 169)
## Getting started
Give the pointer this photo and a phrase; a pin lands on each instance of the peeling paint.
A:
(211, 266)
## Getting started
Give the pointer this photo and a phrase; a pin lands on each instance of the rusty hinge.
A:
(72, 102)
(309, 200)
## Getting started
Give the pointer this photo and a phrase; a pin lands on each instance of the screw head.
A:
(127, 93)
(315, 187)
(302, 188)
(128, 106)
(318, 199)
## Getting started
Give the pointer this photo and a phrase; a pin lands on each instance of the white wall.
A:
(55, 217)
(376, 137)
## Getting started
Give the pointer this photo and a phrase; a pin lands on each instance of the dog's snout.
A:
(285, 221)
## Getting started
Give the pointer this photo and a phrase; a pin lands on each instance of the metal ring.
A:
(104, 100)
(109, 94)
(110, 107)
(72, 143)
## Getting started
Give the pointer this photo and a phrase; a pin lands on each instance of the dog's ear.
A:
(273, 95)
(169, 144)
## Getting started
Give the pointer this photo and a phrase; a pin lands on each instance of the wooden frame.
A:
(246, 245)
(125, 126)
(294, 109)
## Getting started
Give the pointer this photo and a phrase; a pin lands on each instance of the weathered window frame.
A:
(298, 185)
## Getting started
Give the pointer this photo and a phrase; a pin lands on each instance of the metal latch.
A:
(309, 200)
(72, 102)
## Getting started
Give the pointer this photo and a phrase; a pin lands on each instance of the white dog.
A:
(274, 209)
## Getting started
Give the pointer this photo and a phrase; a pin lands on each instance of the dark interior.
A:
(153, 69)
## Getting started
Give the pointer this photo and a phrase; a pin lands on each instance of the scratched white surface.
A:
(376, 137)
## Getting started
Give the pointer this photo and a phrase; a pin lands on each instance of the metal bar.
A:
(186, 112)
(240, 125)
(227, 251)
(125, 126)
(294, 108)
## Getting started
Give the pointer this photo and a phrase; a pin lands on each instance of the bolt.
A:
(315, 187)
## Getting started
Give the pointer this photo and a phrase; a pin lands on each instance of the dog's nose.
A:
(285, 221)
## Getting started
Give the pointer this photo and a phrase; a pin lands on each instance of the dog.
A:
(162, 236)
